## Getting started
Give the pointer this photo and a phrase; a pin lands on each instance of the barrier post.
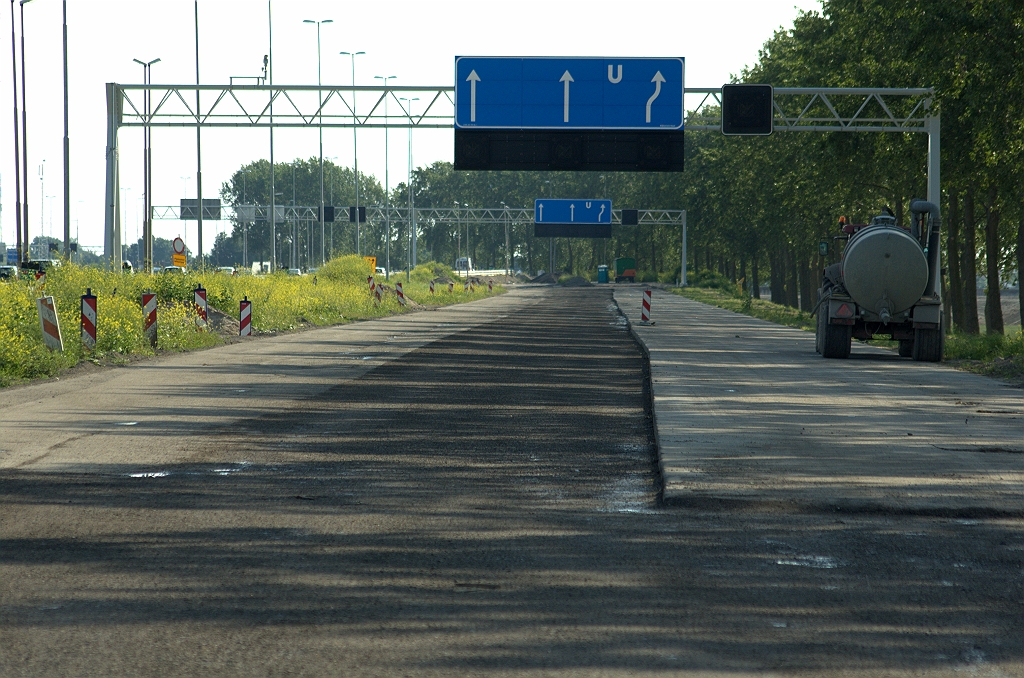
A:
(451, 287)
(645, 308)
(89, 319)
(49, 323)
(490, 287)
(431, 288)
(201, 307)
(372, 283)
(400, 293)
(465, 285)
(377, 292)
(245, 317)
(149, 316)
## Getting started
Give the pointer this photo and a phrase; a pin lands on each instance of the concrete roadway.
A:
(480, 496)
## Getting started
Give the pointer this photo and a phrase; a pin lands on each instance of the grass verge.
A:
(993, 355)
(338, 293)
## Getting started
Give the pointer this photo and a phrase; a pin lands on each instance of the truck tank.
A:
(884, 269)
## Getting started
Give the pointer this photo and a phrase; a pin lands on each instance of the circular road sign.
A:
(179, 246)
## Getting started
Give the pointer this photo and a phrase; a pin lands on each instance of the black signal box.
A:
(747, 109)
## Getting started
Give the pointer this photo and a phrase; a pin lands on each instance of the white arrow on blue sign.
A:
(627, 93)
(562, 211)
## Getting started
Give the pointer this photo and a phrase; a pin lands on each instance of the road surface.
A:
(479, 496)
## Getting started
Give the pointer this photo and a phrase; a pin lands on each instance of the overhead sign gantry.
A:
(557, 113)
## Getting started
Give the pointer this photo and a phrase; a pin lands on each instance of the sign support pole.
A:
(682, 271)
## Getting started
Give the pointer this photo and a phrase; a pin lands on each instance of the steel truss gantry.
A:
(797, 109)
(375, 213)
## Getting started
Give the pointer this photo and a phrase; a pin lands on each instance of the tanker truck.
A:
(887, 283)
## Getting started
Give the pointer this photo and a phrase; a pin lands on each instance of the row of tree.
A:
(757, 207)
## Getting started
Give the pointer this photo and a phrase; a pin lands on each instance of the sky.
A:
(415, 41)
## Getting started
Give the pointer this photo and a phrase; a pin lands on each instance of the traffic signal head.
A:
(747, 109)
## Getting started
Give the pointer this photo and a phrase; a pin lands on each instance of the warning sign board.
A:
(178, 260)
(372, 261)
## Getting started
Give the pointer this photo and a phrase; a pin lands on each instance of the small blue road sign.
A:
(609, 93)
(561, 211)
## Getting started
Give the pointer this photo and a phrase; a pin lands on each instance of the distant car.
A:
(294, 271)
(464, 264)
(230, 270)
(8, 272)
(126, 267)
(381, 271)
(178, 270)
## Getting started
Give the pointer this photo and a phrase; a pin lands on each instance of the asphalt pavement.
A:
(485, 500)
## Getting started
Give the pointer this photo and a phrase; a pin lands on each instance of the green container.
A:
(625, 269)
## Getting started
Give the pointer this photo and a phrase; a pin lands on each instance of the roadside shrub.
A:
(715, 281)
(426, 272)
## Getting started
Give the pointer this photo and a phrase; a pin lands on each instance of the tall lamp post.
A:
(320, 94)
(22, 250)
(199, 150)
(147, 173)
(387, 192)
(67, 144)
(412, 200)
(24, 137)
(355, 148)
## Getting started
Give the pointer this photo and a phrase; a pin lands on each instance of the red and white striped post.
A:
(431, 288)
(645, 308)
(465, 285)
(245, 317)
(201, 307)
(50, 324)
(490, 287)
(451, 288)
(89, 319)
(149, 316)
(372, 283)
(377, 292)
(401, 293)
(472, 288)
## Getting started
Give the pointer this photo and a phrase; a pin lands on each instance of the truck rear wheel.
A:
(906, 348)
(928, 344)
(836, 341)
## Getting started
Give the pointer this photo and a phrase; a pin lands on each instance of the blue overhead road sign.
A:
(581, 211)
(600, 93)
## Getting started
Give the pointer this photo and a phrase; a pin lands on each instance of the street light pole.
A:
(320, 94)
(22, 249)
(355, 148)
(24, 137)
(199, 147)
(268, 74)
(67, 144)
(387, 192)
